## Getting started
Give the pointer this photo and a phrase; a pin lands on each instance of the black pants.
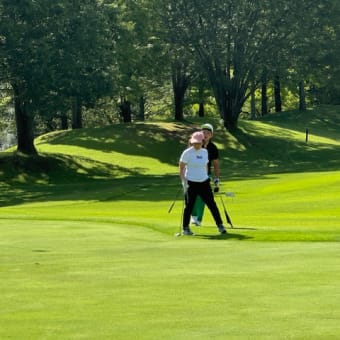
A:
(202, 189)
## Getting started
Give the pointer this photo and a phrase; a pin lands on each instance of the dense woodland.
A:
(73, 63)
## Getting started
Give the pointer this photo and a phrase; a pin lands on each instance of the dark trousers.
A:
(203, 190)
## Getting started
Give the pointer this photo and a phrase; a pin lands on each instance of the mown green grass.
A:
(68, 280)
(88, 248)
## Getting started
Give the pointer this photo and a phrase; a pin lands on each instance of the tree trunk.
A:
(201, 110)
(277, 94)
(229, 95)
(227, 105)
(141, 114)
(125, 113)
(24, 124)
(302, 96)
(77, 120)
(264, 96)
(230, 112)
(252, 101)
(64, 122)
(180, 83)
(179, 100)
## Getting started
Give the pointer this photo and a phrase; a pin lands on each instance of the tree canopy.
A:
(236, 41)
(52, 51)
(68, 56)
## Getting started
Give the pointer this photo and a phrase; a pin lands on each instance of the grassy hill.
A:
(88, 248)
(275, 144)
(278, 178)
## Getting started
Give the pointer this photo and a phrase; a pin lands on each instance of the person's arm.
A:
(184, 182)
(216, 168)
(182, 171)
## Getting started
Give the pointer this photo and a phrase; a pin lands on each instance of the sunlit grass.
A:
(111, 280)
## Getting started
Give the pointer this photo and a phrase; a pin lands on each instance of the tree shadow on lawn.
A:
(75, 187)
(56, 177)
(258, 155)
(263, 156)
(162, 142)
(60, 177)
(321, 121)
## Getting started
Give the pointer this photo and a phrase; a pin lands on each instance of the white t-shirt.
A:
(196, 164)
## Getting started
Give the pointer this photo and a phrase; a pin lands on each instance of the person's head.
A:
(208, 131)
(196, 139)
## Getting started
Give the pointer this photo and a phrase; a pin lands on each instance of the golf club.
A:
(181, 220)
(173, 203)
(226, 214)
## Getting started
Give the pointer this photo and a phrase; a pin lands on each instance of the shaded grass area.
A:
(277, 151)
(137, 139)
(65, 177)
(323, 121)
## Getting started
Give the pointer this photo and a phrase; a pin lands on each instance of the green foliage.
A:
(52, 53)
(239, 41)
(103, 52)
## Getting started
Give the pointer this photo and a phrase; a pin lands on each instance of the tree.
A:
(52, 51)
(139, 55)
(323, 58)
(310, 50)
(24, 49)
(180, 83)
(227, 39)
(85, 56)
(236, 40)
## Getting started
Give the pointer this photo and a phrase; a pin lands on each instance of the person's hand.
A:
(216, 184)
(185, 186)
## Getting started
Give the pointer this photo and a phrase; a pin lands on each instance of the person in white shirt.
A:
(193, 171)
(213, 170)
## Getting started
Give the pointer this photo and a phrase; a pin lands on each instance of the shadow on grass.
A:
(54, 177)
(264, 155)
(227, 236)
(261, 154)
(62, 177)
(323, 121)
(242, 228)
(159, 141)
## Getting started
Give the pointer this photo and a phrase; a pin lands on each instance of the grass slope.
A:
(88, 248)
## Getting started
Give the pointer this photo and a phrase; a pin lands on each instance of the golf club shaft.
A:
(226, 214)
(173, 203)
